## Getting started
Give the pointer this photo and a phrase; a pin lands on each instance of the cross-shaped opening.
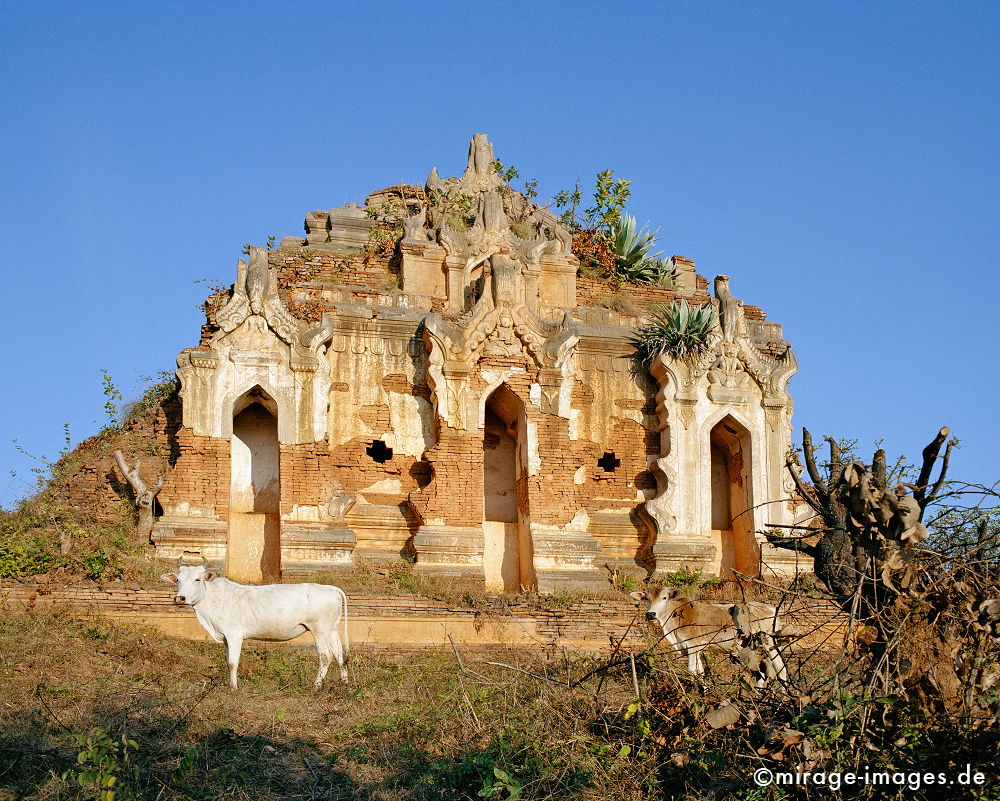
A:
(379, 451)
(609, 462)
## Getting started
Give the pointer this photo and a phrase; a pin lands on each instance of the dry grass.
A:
(406, 726)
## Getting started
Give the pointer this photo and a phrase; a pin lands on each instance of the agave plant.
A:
(676, 330)
(660, 272)
(633, 260)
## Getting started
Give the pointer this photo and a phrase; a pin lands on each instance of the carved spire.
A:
(256, 293)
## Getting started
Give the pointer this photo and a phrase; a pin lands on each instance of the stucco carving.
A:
(488, 298)
(732, 377)
(259, 343)
(501, 324)
(493, 220)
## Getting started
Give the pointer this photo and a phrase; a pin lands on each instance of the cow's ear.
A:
(169, 577)
(209, 576)
(639, 596)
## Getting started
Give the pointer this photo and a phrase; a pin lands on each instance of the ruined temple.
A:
(459, 396)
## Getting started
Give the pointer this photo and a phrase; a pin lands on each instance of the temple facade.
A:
(428, 378)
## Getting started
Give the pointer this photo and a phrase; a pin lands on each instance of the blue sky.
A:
(838, 160)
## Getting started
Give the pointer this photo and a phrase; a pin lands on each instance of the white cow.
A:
(232, 612)
(692, 627)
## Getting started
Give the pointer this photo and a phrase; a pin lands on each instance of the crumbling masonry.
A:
(464, 401)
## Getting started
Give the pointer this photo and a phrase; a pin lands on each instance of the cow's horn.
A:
(204, 561)
(180, 559)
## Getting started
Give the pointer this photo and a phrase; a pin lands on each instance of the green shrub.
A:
(683, 579)
(23, 554)
(105, 765)
(162, 386)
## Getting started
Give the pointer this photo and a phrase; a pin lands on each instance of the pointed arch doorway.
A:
(732, 499)
(253, 550)
(507, 552)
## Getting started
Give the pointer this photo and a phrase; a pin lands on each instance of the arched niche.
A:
(507, 551)
(253, 551)
(731, 498)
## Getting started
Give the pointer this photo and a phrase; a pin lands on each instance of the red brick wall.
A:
(590, 292)
(201, 474)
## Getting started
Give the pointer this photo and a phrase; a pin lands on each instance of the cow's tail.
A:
(346, 642)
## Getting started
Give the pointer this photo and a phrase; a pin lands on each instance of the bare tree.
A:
(865, 524)
(927, 620)
(144, 496)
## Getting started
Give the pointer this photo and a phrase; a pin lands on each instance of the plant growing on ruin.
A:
(507, 174)
(633, 261)
(610, 196)
(26, 552)
(632, 244)
(386, 228)
(268, 244)
(676, 330)
(155, 392)
(453, 206)
(114, 397)
(617, 301)
(608, 242)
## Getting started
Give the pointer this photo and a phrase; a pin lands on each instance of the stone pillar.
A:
(778, 560)
(423, 268)
(317, 227)
(684, 270)
(455, 282)
(680, 541)
(557, 282)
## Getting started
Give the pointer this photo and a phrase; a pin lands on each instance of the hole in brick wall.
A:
(379, 451)
(645, 481)
(422, 472)
(609, 462)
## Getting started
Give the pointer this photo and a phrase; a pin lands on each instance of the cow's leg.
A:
(780, 671)
(695, 662)
(338, 652)
(325, 651)
(234, 644)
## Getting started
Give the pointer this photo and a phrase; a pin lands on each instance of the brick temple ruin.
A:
(464, 401)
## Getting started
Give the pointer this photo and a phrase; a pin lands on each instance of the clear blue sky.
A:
(838, 160)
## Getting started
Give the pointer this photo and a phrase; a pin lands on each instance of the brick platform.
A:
(405, 622)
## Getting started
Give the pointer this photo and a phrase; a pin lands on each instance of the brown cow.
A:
(694, 626)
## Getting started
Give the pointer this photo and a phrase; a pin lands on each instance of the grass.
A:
(405, 726)
(414, 727)
(618, 300)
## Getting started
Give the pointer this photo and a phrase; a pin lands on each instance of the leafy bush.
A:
(42, 536)
(161, 388)
(23, 554)
(610, 196)
(105, 765)
(513, 761)
(684, 578)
